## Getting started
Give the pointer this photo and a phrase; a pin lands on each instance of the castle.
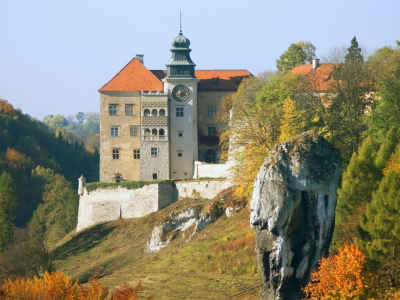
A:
(155, 124)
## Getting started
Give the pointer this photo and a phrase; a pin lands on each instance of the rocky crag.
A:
(189, 221)
(293, 213)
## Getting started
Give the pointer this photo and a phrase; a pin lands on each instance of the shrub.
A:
(339, 276)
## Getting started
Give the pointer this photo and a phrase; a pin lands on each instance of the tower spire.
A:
(180, 21)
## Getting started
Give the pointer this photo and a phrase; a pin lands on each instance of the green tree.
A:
(293, 56)
(354, 53)
(359, 181)
(80, 116)
(386, 115)
(8, 206)
(59, 211)
(387, 148)
(350, 99)
(309, 51)
(381, 220)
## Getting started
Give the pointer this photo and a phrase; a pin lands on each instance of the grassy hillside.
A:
(218, 263)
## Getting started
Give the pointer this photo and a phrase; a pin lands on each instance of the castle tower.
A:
(181, 86)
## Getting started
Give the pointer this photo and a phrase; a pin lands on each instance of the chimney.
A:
(139, 57)
(315, 63)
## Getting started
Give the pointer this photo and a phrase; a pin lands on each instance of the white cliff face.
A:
(293, 213)
(177, 223)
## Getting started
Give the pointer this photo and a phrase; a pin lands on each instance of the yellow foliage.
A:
(292, 122)
(393, 163)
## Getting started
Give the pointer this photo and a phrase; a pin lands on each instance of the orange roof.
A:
(133, 77)
(215, 80)
(320, 78)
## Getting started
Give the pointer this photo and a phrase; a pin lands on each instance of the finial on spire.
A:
(180, 20)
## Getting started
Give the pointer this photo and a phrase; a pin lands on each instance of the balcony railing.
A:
(155, 138)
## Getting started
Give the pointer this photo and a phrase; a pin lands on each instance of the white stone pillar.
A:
(82, 184)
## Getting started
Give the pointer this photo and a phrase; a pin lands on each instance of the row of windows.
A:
(136, 153)
(212, 111)
(112, 109)
(134, 131)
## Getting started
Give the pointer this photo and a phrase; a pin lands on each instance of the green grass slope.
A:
(218, 263)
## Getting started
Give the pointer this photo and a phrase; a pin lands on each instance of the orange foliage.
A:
(57, 286)
(338, 276)
(7, 109)
(127, 292)
(16, 160)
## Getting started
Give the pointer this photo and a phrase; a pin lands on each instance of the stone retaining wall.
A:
(109, 204)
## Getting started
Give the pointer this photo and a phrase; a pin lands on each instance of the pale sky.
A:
(56, 54)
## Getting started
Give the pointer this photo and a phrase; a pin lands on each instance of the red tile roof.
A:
(320, 78)
(136, 77)
(133, 77)
(214, 80)
(223, 80)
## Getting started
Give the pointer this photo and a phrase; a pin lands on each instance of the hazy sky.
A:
(56, 54)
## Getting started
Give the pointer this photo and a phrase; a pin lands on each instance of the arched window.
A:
(146, 112)
(154, 112)
(147, 132)
(154, 132)
(162, 112)
(161, 132)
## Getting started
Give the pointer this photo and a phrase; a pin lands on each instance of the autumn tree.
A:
(293, 122)
(254, 114)
(8, 205)
(339, 276)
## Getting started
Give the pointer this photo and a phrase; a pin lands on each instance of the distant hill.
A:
(25, 144)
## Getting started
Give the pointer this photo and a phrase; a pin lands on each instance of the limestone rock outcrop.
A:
(179, 222)
(293, 213)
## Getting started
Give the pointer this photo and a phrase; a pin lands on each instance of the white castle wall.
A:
(204, 189)
(109, 204)
(210, 170)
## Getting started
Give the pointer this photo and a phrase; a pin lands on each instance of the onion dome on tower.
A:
(180, 66)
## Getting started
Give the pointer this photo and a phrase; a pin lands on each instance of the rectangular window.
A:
(179, 154)
(155, 176)
(114, 131)
(153, 152)
(134, 131)
(136, 154)
(112, 109)
(212, 130)
(180, 134)
(115, 154)
(212, 111)
(129, 109)
(179, 111)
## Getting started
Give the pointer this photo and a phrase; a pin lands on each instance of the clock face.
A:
(180, 93)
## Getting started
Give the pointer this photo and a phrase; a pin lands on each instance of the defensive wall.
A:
(108, 204)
